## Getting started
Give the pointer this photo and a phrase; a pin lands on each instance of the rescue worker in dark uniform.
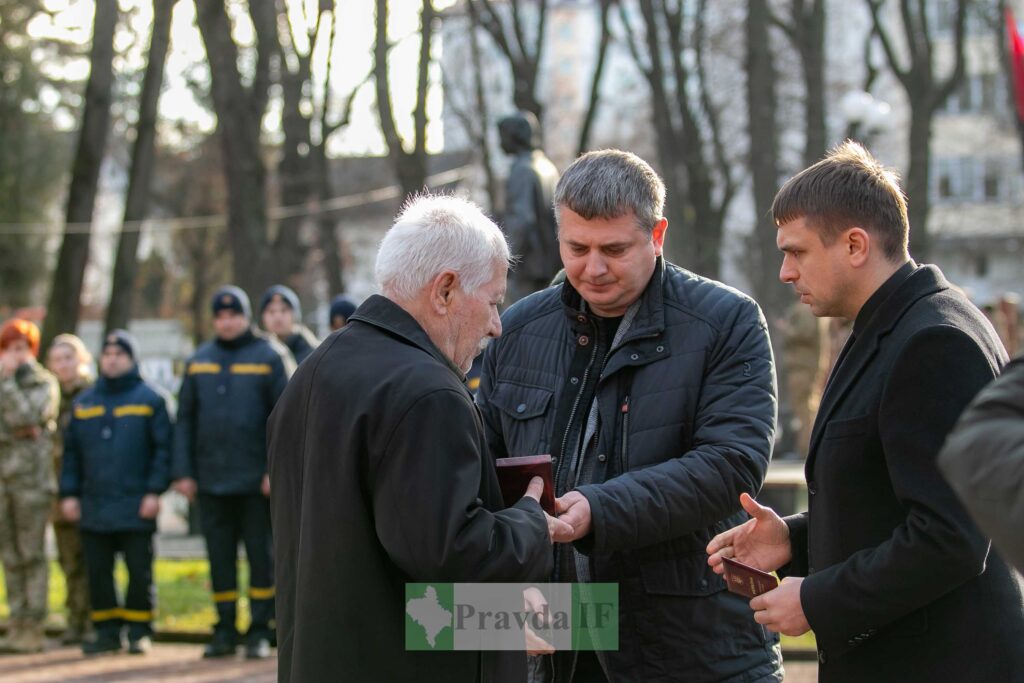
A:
(342, 308)
(281, 316)
(230, 386)
(117, 452)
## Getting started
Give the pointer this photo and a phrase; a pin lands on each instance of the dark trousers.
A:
(225, 521)
(107, 615)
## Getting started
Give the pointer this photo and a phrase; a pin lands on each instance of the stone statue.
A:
(529, 218)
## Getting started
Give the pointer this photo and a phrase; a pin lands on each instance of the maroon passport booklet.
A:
(514, 475)
(743, 579)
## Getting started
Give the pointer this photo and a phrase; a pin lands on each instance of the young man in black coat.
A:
(379, 469)
(117, 452)
(885, 566)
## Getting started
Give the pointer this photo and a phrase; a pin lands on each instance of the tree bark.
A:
(523, 56)
(762, 112)
(238, 126)
(295, 169)
(812, 60)
(595, 81)
(63, 309)
(410, 167)
(926, 90)
(122, 292)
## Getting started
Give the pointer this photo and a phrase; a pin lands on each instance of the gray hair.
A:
(609, 183)
(435, 233)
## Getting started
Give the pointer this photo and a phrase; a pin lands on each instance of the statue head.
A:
(520, 132)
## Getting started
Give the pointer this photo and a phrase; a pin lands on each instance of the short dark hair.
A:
(848, 188)
(609, 183)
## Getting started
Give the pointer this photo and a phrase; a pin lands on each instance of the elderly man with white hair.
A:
(379, 467)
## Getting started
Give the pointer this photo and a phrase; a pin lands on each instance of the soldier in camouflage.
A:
(29, 401)
(71, 362)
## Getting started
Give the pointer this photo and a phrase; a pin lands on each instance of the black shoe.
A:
(103, 644)
(139, 646)
(258, 648)
(222, 645)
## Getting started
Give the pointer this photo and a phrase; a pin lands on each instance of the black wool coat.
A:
(380, 476)
(900, 584)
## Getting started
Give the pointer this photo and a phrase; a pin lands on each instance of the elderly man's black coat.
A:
(380, 476)
(900, 584)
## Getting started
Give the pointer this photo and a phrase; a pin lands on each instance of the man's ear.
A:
(658, 235)
(442, 289)
(857, 243)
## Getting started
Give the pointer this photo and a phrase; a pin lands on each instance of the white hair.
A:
(435, 233)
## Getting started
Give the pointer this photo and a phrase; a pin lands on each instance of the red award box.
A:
(744, 580)
(514, 475)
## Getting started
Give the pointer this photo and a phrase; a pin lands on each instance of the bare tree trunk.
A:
(926, 90)
(484, 119)
(523, 55)
(812, 59)
(687, 123)
(63, 309)
(595, 81)
(122, 291)
(917, 181)
(296, 167)
(762, 112)
(238, 125)
(410, 167)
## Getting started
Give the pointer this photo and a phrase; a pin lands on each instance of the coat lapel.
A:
(923, 281)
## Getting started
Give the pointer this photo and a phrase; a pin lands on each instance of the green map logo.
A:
(429, 616)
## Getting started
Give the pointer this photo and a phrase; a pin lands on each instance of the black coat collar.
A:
(384, 313)
(923, 281)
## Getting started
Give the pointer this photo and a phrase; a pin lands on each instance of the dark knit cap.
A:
(284, 294)
(125, 340)
(342, 306)
(231, 298)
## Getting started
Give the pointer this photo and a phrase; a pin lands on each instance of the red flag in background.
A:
(1017, 60)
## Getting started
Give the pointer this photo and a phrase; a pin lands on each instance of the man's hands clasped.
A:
(573, 510)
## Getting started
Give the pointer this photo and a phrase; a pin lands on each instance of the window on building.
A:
(978, 94)
(973, 179)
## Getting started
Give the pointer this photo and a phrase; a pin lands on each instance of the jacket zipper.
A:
(572, 414)
(624, 451)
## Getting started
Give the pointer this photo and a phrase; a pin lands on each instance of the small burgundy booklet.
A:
(514, 475)
(744, 580)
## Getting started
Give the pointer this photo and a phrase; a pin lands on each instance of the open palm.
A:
(761, 542)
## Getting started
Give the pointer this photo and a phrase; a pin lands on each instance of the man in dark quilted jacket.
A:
(653, 389)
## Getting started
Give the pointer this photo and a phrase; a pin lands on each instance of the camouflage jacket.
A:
(67, 398)
(29, 402)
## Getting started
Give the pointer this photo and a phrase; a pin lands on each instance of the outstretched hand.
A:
(761, 542)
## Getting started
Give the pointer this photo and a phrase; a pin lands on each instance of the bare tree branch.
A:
(883, 37)
(595, 81)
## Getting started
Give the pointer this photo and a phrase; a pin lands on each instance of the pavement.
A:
(178, 663)
(182, 664)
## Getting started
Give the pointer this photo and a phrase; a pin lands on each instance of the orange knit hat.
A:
(17, 328)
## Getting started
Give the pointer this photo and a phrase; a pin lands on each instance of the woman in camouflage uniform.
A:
(29, 400)
(71, 362)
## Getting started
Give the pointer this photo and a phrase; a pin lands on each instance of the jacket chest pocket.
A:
(524, 418)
